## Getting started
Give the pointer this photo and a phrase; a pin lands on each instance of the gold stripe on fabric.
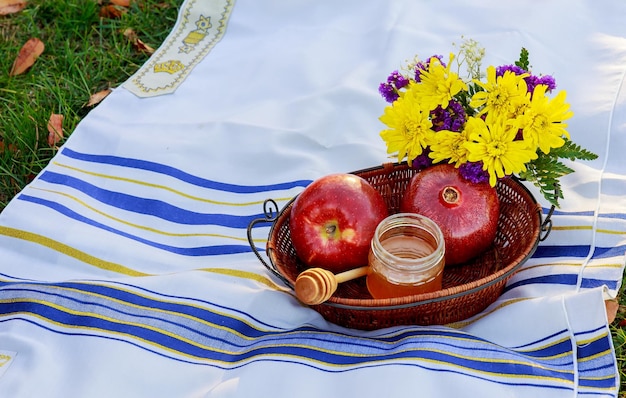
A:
(577, 265)
(610, 231)
(245, 275)
(593, 339)
(118, 268)
(596, 356)
(571, 227)
(166, 188)
(69, 251)
(587, 228)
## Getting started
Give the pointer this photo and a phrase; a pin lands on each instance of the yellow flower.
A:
(505, 95)
(494, 144)
(542, 120)
(449, 145)
(409, 127)
(438, 84)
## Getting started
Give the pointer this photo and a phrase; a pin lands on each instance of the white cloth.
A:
(124, 266)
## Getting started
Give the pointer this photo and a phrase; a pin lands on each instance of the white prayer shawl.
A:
(125, 269)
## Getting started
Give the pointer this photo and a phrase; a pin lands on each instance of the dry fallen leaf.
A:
(11, 6)
(137, 43)
(112, 11)
(4, 147)
(130, 34)
(97, 97)
(121, 3)
(143, 47)
(55, 129)
(611, 309)
(27, 56)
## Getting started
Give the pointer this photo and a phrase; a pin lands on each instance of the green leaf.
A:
(523, 59)
(544, 172)
(572, 151)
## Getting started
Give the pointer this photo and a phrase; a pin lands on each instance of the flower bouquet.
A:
(489, 126)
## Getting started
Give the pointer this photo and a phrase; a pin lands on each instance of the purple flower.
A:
(420, 66)
(549, 81)
(422, 161)
(473, 171)
(389, 89)
(500, 70)
(452, 118)
(532, 81)
(397, 80)
(388, 92)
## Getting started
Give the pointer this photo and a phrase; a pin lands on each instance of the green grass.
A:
(85, 54)
(619, 340)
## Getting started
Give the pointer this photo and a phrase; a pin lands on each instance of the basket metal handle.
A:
(546, 225)
(270, 212)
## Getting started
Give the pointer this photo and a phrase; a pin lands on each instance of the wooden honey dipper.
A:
(316, 285)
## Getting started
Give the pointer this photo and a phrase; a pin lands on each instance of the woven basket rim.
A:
(424, 298)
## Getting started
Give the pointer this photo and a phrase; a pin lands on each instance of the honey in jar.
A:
(406, 257)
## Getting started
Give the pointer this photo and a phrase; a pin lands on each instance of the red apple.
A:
(333, 220)
(466, 212)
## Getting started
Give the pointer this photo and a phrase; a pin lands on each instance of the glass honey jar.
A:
(406, 257)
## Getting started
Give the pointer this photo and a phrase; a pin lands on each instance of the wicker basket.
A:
(467, 288)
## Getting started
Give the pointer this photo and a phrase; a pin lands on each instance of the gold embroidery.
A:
(203, 24)
(4, 359)
(172, 66)
(189, 42)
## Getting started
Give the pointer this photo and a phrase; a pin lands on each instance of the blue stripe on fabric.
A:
(228, 322)
(310, 334)
(561, 251)
(152, 207)
(563, 279)
(504, 368)
(597, 383)
(185, 251)
(555, 212)
(309, 365)
(100, 287)
(185, 309)
(542, 340)
(380, 350)
(196, 311)
(544, 251)
(594, 347)
(179, 174)
(619, 216)
(144, 316)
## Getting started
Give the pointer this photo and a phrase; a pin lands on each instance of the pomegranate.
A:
(466, 212)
